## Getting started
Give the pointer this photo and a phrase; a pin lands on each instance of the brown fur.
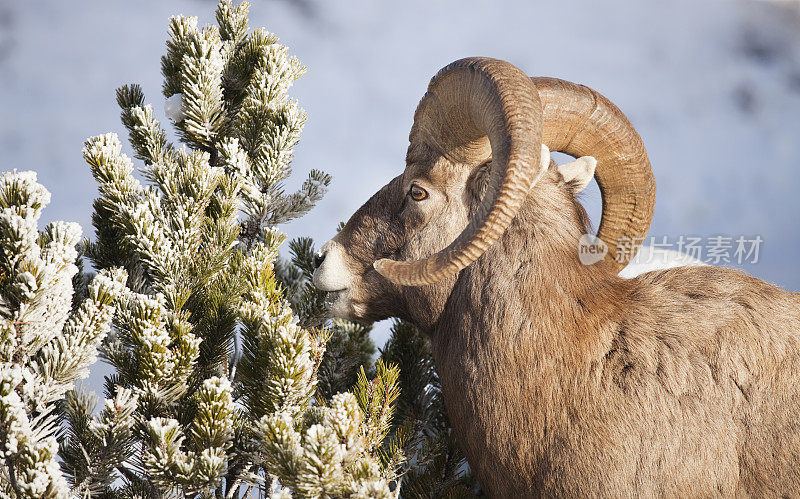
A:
(566, 380)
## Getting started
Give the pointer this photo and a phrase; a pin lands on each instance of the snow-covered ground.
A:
(713, 87)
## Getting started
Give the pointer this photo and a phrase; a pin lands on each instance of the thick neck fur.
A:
(534, 309)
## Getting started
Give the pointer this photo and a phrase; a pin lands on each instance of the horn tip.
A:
(400, 274)
(380, 265)
(389, 270)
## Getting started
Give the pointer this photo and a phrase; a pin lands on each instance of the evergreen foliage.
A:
(213, 393)
(45, 345)
(350, 349)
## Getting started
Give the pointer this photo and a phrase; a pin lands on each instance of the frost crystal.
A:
(173, 107)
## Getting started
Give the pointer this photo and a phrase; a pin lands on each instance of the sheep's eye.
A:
(417, 193)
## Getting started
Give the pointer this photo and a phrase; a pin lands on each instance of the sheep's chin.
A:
(338, 304)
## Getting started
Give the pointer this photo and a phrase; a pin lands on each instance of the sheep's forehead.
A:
(427, 164)
(441, 174)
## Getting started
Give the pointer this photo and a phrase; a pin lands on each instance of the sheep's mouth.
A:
(339, 304)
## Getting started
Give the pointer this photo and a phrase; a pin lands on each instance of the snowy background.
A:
(713, 87)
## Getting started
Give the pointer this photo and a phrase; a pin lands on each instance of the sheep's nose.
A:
(319, 257)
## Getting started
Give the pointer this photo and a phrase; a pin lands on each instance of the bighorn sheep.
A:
(563, 379)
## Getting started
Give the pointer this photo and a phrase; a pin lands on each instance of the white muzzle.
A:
(332, 273)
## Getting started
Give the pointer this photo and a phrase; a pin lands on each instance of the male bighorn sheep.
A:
(559, 378)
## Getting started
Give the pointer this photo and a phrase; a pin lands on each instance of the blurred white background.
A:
(712, 86)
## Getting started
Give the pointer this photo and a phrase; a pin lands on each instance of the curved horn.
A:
(467, 101)
(580, 122)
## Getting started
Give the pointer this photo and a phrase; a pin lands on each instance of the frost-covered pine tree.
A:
(215, 375)
(45, 345)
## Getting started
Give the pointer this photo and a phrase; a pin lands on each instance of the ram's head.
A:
(478, 146)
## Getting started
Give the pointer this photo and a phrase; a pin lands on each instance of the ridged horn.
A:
(580, 122)
(466, 102)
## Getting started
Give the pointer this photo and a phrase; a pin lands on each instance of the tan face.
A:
(415, 215)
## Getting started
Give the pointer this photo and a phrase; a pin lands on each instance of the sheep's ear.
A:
(579, 172)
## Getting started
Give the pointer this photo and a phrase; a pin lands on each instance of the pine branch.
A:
(148, 139)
